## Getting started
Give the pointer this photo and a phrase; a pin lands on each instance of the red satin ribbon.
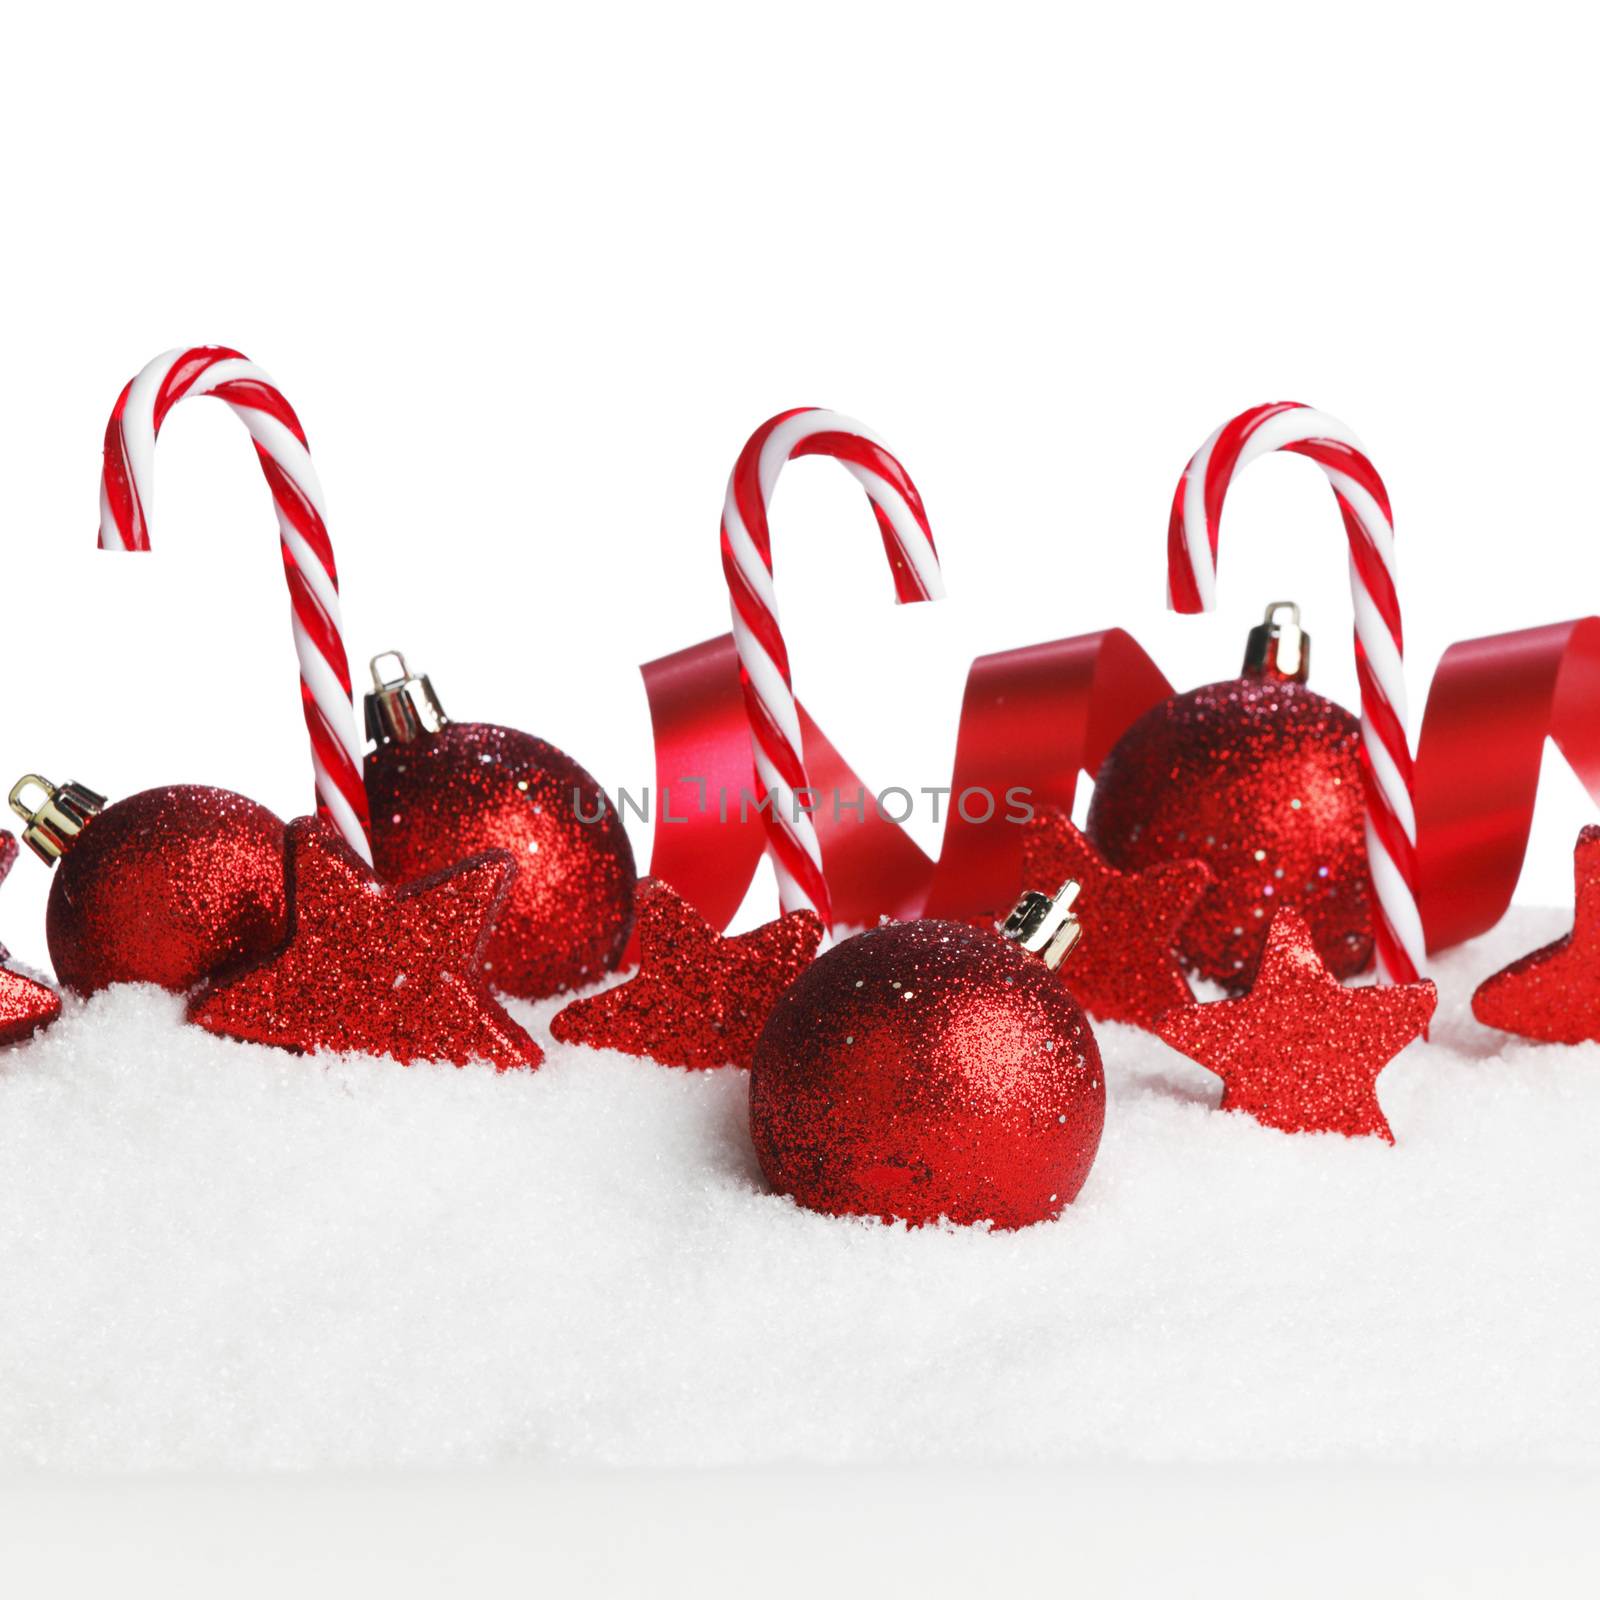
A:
(1493, 703)
(1031, 719)
(1035, 718)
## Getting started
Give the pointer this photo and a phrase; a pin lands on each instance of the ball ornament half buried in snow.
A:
(165, 887)
(929, 1070)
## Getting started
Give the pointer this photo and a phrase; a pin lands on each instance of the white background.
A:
(531, 284)
(531, 279)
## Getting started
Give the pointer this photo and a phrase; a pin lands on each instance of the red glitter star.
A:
(1124, 968)
(1300, 1051)
(698, 1000)
(368, 967)
(25, 1006)
(1554, 993)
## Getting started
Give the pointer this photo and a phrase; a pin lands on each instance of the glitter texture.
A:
(1301, 1052)
(166, 887)
(25, 1006)
(373, 968)
(471, 787)
(1554, 993)
(1124, 967)
(926, 1070)
(1260, 779)
(698, 999)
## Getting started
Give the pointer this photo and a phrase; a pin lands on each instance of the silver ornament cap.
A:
(401, 709)
(1044, 924)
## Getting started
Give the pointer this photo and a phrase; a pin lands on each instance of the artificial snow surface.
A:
(217, 1255)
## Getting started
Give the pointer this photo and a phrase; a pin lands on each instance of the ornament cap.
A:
(1278, 647)
(54, 823)
(403, 709)
(1044, 924)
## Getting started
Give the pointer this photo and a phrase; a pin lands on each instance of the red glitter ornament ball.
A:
(1259, 778)
(926, 1070)
(440, 790)
(164, 887)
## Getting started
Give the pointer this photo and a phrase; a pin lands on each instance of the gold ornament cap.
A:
(54, 822)
(1044, 924)
(403, 709)
(1278, 646)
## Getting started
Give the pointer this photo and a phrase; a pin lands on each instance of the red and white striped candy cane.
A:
(1364, 503)
(763, 660)
(125, 499)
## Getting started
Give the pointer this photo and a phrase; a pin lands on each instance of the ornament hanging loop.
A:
(1278, 647)
(1044, 925)
(54, 823)
(401, 710)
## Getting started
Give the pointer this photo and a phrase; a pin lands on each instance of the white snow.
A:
(218, 1256)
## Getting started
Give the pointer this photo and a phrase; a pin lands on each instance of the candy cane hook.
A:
(125, 498)
(763, 659)
(1364, 503)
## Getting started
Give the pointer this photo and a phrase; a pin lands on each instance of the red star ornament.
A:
(374, 968)
(1554, 993)
(1300, 1051)
(1124, 967)
(698, 999)
(25, 1006)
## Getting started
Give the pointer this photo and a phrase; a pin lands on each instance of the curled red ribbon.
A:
(1493, 703)
(1032, 719)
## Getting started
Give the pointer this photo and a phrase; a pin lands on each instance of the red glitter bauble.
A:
(441, 790)
(165, 887)
(1259, 778)
(926, 1070)
(473, 787)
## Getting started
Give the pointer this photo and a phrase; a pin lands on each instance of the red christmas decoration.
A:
(164, 887)
(1301, 1052)
(699, 999)
(1125, 967)
(440, 790)
(25, 1006)
(374, 968)
(926, 1070)
(1260, 778)
(1554, 993)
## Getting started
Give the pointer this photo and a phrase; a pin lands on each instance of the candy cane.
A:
(763, 660)
(1364, 502)
(125, 499)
